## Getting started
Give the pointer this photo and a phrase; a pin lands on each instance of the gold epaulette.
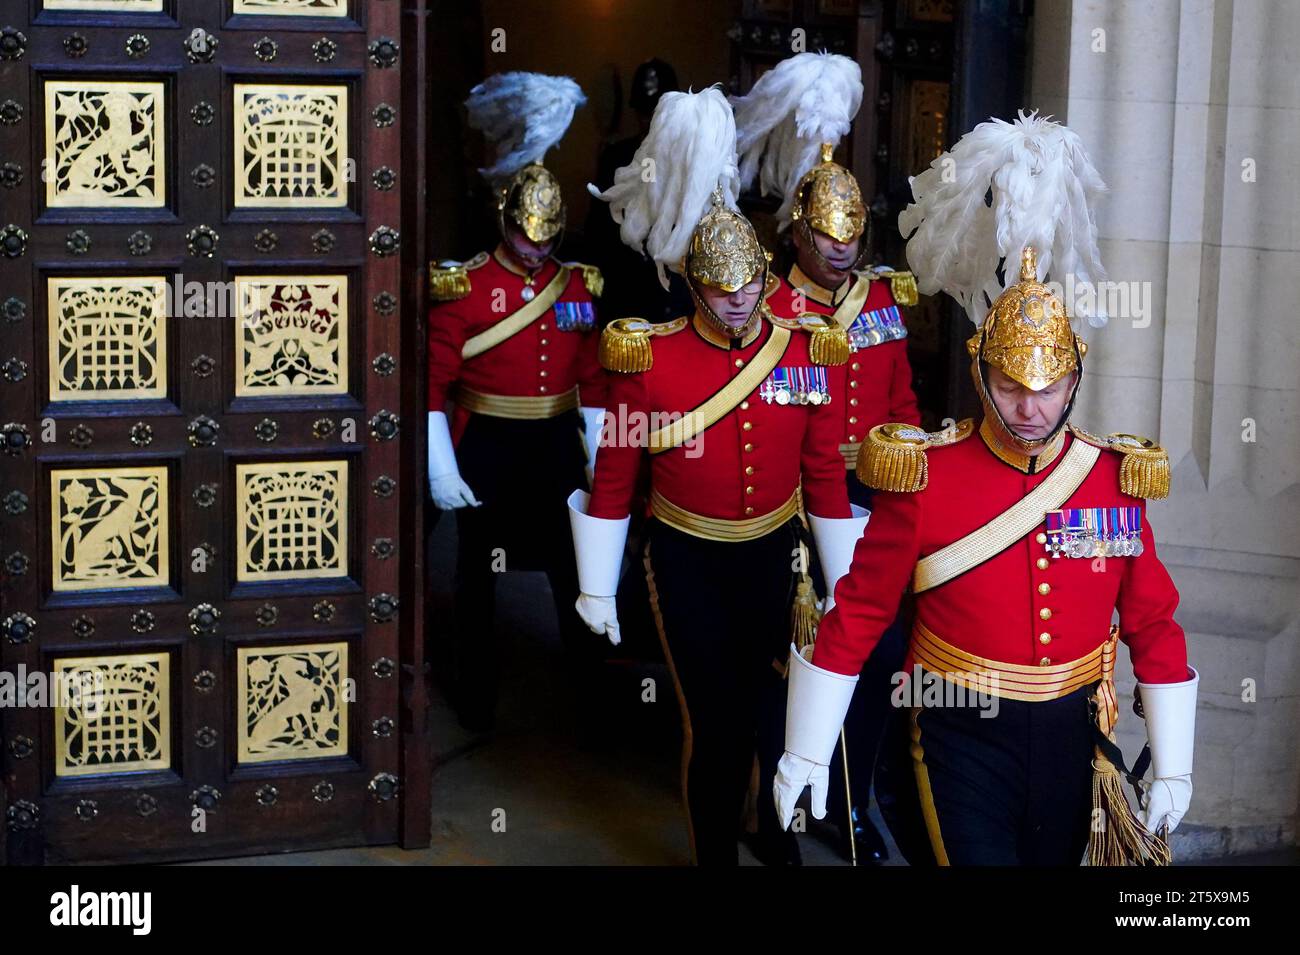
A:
(901, 284)
(449, 281)
(893, 458)
(1145, 469)
(773, 283)
(591, 278)
(829, 344)
(625, 343)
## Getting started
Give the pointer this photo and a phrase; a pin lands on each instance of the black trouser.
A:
(869, 709)
(1012, 789)
(723, 610)
(522, 472)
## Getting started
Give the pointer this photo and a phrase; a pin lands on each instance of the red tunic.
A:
(995, 610)
(876, 385)
(747, 464)
(540, 360)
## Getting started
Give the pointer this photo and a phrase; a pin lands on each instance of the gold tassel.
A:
(829, 344)
(1145, 473)
(594, 281)
(890, 465)
(625, 346)
(804, 615)
(448, 284)
(1117, 836)
(903, 285)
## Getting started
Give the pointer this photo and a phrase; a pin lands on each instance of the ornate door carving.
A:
(204, 460)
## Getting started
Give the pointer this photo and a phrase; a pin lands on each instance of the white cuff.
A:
(1170, 711)
(836, 538)
(442, 456)
(598, 546)
(815, 708)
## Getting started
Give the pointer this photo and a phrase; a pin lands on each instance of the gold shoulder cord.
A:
(591, 277)
(625, 343)
(893, 458)
(449, 281)
(1144, 471)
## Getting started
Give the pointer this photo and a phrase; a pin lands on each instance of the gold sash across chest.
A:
(1011, 525)
(851, 307)
(725, 399)
(517, 321)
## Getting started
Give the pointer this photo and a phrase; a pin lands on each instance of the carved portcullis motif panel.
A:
(292, 520)
(109, 527)
(291, 702)
(294, 8)
(107, 338)
(291, 145)
(104, 144)
(121, 722)
(292, 335)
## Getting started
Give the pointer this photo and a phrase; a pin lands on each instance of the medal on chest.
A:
(575, 316)
(1086, 532)
(875, 327)
(796, 385)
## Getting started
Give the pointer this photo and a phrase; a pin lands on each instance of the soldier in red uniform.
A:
(788, 126)
(1019, 538)
(730, 404)
(513, 344)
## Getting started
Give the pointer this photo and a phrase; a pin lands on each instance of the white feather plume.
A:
(661, 195)
(800, 103)
(522, 115)
(1043, 186)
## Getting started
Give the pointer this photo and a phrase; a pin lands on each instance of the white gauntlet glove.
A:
(1170, 711)
(815, 705)
(445, 485)
(598, 547)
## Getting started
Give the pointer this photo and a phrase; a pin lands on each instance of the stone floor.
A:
(569, 791)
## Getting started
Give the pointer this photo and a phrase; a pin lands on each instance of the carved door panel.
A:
(199, 347)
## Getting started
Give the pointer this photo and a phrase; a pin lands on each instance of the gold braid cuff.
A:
(1145, 469)
(625, 343)
(893, 458)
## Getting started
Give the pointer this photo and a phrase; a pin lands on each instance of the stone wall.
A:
(1191, 112)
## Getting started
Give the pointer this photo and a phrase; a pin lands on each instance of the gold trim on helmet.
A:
(829, 200)
(1026, 336)
(531, 198)
(725, 253)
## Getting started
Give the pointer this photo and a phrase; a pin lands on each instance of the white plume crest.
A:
(1043, 187)
(522, 115)
(661, 195)
(800, 103)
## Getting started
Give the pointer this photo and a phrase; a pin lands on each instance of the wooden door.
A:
(203, 485)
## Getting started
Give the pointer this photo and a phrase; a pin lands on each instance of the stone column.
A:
(1191, 112)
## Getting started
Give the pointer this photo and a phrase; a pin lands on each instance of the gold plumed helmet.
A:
(829, 200)
(531, 198)
(725, 252)
(1027, 334)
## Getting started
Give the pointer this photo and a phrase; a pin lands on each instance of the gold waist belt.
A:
(1010, 681)
(850, 452)
(524, 407)
(718, 528)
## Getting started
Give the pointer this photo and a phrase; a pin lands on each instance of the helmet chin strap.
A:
(736, 332)
(810, 243)
(505, 237)
(1004, 430)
